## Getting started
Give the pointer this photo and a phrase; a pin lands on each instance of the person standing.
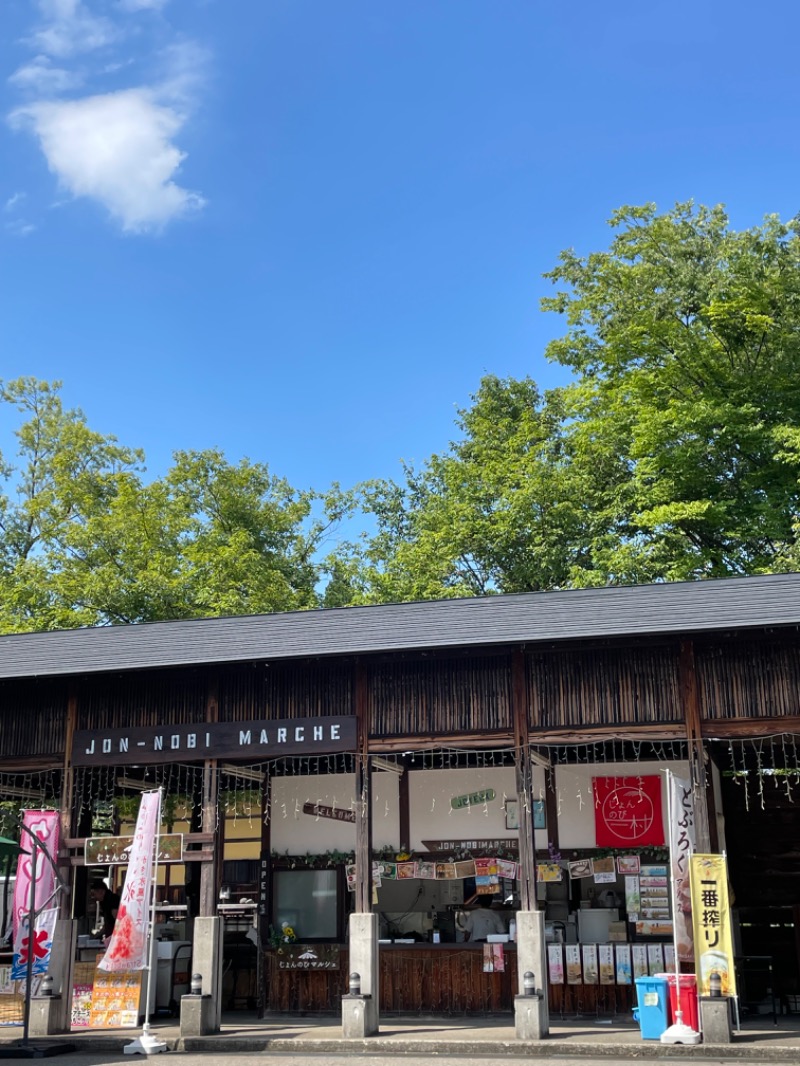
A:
(482, 922)
(109, 905)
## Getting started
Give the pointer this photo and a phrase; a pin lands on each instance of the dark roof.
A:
(529, 618)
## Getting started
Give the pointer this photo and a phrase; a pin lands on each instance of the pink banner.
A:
(127, 949)
(45, 826)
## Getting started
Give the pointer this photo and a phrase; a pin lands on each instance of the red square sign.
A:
(627, 812)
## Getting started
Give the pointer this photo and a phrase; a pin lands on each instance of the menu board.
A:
(103, 1000)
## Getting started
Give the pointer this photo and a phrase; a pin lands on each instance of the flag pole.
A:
(147, 1044)
(677, 1033)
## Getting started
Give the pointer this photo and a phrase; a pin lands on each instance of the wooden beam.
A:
(79, 843)
(743, 728)
(524, 778)
(694, 735)
(66, 900)
(551, 808)
(501, 739)
(211, 821)
(404, 813)
(363, 795)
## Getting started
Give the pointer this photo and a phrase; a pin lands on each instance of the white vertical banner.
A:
(127, 949)
(682, 844)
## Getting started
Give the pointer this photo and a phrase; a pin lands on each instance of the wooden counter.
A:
(433, 979)
(414, 978)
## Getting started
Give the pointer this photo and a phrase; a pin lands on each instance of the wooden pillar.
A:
(551, 808)
(404, 813)
(524, 777)
(363, 796)
(700, 779)
(211, 872)
(264, 889)
(66, 900)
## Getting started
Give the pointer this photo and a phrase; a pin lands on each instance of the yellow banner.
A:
(711, 914)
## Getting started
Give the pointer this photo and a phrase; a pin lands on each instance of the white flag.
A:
(127, 949)
(682, 844)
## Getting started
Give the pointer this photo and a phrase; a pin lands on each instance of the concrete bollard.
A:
(715, 1019)
(45, 1016)
(530, 1017)
(357, 1017)
(198, 1016)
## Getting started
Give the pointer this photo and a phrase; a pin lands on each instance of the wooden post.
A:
(524, 777)
(700, 779)
(211, 872)
(66, 902)
(264, 890)
(363, 797)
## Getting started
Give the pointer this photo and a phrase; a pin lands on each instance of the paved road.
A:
(182, 1059)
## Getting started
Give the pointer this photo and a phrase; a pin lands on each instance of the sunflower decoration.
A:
(289, 935)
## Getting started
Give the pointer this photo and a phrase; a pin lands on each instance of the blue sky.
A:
(301, 231)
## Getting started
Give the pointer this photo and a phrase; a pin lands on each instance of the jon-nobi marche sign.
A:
(225, 740)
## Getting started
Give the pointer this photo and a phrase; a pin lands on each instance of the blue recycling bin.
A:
(652, 1010)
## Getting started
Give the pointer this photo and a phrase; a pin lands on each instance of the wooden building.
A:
(294, 747)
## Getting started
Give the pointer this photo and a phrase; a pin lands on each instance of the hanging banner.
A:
(627, 812)
(682, 843)
(712, 923)
(555, 964)
(573, 955)
(45, 826)
(40, 948)
(639, 952)
(127, 949)
(624, 973)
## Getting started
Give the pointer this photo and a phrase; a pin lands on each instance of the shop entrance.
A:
(761, 802)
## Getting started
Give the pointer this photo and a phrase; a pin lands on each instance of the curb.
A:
(553, 1048)
(545, 1049)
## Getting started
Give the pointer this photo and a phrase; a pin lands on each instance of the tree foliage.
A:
(86, 540)
(673, 454)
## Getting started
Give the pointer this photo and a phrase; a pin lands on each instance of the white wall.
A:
(432, 817)
(298, 833)
(575, 801)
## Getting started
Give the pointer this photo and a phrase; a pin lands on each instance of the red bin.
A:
(688, 982)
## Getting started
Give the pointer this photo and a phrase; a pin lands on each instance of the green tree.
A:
(501, 511)
(84, 540)
(685, 341)
(673, 454)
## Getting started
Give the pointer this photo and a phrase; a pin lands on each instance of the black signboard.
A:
(144, 745)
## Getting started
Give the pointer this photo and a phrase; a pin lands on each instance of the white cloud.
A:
(13, 202)
(20, 228)
(41, 78)
(142, 5)
(116, 148)
(68, 27)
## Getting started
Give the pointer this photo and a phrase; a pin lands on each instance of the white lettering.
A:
(90, 749)
(158, 743)
(191, 740)
(334, 732)
(123, 744)
(299, 734)
(281, 736)
(317, 732)
(244, 736)
(174, 741)
(264, 739)
(208, 740)
(106, 746)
